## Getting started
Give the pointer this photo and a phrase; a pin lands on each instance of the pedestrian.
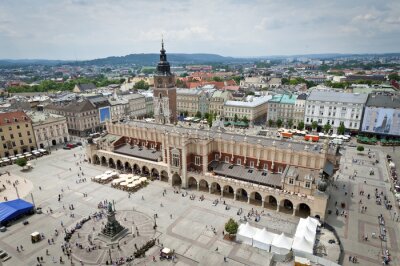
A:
(170, 216)
(216, 250)
(21, 247)
(350, 258)
(225, 260)
(17, 249)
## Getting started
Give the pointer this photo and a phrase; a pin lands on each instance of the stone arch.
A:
(192, 183)
(155, 173)
(286, 206)
(256, 198)
(203, 185)
(103, 161)
(270, 202)
(215, 188)
(241, 194)
(111, 163)
(164, 176)
(145, 171)
(228, 192)
(136, 169)
(176, 180)
(128, 167)
(120, 166)
(303, 210)
(96, 159)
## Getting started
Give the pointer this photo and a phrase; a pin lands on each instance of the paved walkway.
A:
(357, 224)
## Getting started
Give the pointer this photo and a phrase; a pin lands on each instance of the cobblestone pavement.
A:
(183, 224)
(357, 224)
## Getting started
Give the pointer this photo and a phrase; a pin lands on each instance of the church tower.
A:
(164, 91)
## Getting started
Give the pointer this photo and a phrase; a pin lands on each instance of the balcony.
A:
(139, 152)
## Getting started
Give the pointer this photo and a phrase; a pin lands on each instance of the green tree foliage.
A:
(51, 86)
(237, 79)
(360, 148)
(141, 85)
(180, 84)
(217, 79)
(148, 70)
(235, 119)
(290, 123)
(300, 125)
(231, 227)
(198, 114)
(394, 76)
(206, 115)
(210, 120)
(327, 127)
(21, 162)
(279, 122)
(271, 123)
(184, 75)
(314, 125)
(245, 119)
(341, 129)
(186, 113)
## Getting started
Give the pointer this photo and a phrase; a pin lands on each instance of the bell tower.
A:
(164, 91)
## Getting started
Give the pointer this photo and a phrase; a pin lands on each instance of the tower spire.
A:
(162, 41)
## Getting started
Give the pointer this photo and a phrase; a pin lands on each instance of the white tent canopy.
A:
(302, 245)
(263, 239)
(245, 234)
(281, 244)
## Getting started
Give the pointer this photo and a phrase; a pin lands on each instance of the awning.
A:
(328, 168)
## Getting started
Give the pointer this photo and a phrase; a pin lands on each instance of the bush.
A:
(231, 227)
(21, 162)
(360, 148)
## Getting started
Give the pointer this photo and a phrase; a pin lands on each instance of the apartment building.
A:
(16, 134)
(282, 106)
(254, 109)
(333, 107)
(217, 101)
(188, 100)
(49, 129)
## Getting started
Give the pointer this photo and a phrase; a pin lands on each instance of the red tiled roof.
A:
(13, 117)
(231, 88)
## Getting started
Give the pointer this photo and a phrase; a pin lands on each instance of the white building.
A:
(119, 108)
(49, 129)
(332, 107)
(254, 109)
(136, 104)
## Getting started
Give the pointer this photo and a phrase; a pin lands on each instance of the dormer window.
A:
(291, 181)
(308, 184)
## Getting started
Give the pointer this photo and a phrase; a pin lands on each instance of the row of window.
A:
(21, 142)
(10, 128)
(19, 135)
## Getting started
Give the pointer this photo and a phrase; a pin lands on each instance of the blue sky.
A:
(86, 29)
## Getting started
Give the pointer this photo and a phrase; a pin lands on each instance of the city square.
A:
(184, 225)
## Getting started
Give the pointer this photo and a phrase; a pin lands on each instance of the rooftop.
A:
(254, 101)
(384, 100)
(214, 134)
(246, 174)
(143, 153)
(44, 117)
(334, 96)
(13, 117)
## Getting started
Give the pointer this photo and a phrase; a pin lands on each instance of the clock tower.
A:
(164, 91)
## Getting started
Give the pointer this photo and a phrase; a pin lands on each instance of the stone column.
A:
(263, 203)
(248, 199)
(222, 192)
(234, 195)
(209, 189)
(198, 186)
(278, 207)
(184, 166)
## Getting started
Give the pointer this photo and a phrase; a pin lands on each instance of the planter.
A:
(229, 237)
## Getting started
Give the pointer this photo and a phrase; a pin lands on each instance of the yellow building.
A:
(16, 134)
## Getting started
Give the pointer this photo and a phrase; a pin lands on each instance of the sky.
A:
(88, 29)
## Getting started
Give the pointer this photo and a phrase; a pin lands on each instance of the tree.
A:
(245, 119)
(341, 129)
(141, 85)
(271, 123)
(394, 76)
(327, 128)
(235, 119)
(231, 227)
(237, 79)
(314, 125)
(186, 113)
(210, 120)
(279, 122)
(206, 115)
(360, 148)
(217, 79)
(300, 125)
(290, 123)
(198, 114)
(21, 162)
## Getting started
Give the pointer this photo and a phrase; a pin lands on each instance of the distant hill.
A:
(26, 62)
(152, 59)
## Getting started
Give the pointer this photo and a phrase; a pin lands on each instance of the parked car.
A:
(79, 143)
(66, 148)
(71, 145)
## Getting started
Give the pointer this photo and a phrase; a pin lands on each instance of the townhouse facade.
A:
(334, 108)
(16, 134)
